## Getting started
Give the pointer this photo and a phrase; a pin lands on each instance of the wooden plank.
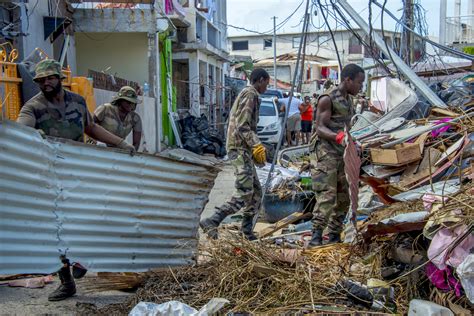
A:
(283, 223)
(409, 171)
(421, 140)
(444, 112)
(423, 169)
(434, 155)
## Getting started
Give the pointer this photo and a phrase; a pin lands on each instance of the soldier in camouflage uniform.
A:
(119, 116)
(60, 113)
(244, 148)
(334, 113)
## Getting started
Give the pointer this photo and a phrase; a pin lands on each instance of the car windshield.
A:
(267, 109)
(271, 93)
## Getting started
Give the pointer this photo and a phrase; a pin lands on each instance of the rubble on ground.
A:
(412, 249)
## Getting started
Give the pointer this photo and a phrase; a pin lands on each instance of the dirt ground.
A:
(22, 301)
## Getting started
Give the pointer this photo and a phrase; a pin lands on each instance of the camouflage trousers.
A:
(331, 191)
(248, 192)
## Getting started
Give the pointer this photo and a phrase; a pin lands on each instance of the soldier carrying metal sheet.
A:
(334, 113)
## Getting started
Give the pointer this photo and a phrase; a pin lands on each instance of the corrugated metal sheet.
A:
(106, 209)
(352, 165)
(401, 110)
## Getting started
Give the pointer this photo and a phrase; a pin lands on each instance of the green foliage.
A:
(469, 50)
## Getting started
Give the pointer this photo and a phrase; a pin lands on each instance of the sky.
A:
(257, 15)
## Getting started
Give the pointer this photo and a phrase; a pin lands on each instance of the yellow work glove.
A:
(259, 154)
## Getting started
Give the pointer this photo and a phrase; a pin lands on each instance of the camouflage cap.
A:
(127, 93)
(48, 67)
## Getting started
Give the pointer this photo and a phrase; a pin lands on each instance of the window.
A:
(267, 109)
(296, 42)
(371, 51)
(267, 43)
(240, 45)
(355, 46)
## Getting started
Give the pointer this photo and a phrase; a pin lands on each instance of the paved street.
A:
(223, 189)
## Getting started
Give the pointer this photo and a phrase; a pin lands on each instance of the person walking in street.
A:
(293, 123)
(314, 100)
(119, 116)
(60, 113)
(306, 119)
(244, 150)
(334, 113)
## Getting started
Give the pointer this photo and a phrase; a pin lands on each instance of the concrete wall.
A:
(32, 24)
(34, 27)
(319, 44)
(125, 53)
(146, 110)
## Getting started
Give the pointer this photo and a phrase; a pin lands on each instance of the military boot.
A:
(67, 287)
(247, 228)
(334, 238)
(210, 224)
(316, 238)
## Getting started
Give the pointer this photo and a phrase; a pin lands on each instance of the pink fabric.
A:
(437, 132)
(440, 248)
(429, 199)
(168, 6)
(443, 279)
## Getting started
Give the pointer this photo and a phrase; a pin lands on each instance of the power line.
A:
(281, 24)
(270, 173)
(332, 35)
(424, 38)
(375, 56)
(383, 35)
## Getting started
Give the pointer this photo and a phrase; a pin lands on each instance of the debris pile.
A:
(383, 275)
(412, 248)
(255, 277)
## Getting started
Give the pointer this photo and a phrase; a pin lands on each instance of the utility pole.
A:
(442, 21)
(274, 53)
(457, 21)
(302, 70)
(408, 52)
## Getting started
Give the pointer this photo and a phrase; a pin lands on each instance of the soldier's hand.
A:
(126, 146)
(259, 154)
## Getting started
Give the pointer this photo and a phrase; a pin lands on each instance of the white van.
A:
(269, 124)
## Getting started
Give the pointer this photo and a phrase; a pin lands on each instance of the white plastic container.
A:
(427, 308)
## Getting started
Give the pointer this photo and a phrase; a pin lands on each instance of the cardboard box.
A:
(401, 154)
